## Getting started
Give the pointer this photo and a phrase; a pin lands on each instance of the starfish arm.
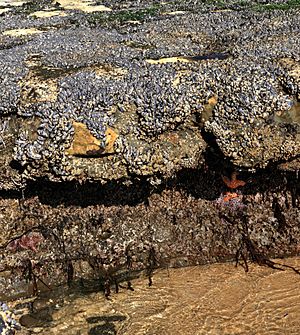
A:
(226, 181)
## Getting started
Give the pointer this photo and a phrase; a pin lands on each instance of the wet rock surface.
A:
(55, 233)
(144, 137)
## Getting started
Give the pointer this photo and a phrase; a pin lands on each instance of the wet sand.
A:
(214, 299)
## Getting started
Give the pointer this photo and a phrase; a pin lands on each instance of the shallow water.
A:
(214, 299)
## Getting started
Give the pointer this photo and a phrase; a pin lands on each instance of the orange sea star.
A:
(229, 196)
(233, 182)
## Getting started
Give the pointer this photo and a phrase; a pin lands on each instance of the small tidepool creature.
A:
(232, 201)
(233, 182)
(28, 241)
(229, 196)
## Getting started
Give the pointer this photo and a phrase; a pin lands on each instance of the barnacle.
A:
(8, 323)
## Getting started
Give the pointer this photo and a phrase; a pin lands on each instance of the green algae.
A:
(123, 16)
(291, 4)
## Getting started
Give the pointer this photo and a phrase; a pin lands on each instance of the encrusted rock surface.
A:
(8, 324)
(112, 159)
(104, 79)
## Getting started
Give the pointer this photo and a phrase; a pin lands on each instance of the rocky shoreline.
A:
(128, 145)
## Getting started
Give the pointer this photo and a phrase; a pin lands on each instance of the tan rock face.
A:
(167, 60)
(48, 13)
(177, 12)
(85, 144)
(4, 10)
(86, 6)
(111, 137)
(22, 32)
(37, 87)
(109, 71)
(12, 3)
(208, 108)
(293, 114)
(289, 116)
(291, 64)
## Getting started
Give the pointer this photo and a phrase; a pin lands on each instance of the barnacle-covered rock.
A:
(114, 141)
(8, 324)
(172, 152)
(246, 117)
(244, 94)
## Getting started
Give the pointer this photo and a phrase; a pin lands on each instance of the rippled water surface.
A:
(215, 299)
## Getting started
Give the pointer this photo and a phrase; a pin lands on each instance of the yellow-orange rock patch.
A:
(86, 144)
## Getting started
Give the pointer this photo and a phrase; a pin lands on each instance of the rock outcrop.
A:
(113, 161)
